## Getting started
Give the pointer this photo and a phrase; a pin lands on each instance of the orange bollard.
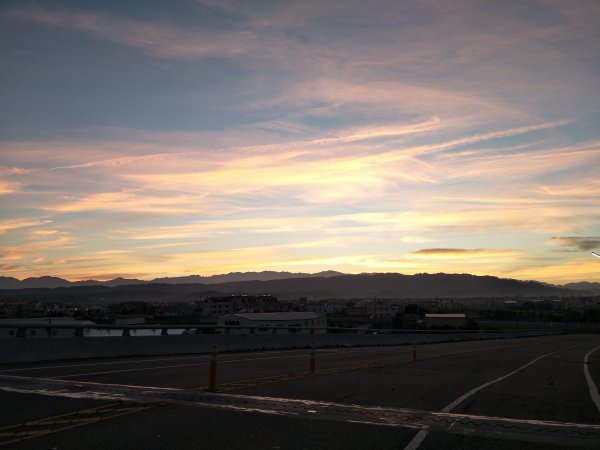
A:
(414, 353)
(312, 367)
(212, 379)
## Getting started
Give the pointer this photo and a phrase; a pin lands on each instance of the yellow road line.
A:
(77, 421)
(83, 411)
(226, 387)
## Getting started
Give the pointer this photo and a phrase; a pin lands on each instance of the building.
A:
(445, 320)
(286, 322)
(230, 304)
(324, 307)
(383, 309)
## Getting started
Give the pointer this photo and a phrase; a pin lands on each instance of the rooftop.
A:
(445, 316)
(279, 316)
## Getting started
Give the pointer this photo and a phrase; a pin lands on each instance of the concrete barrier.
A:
(46, 349)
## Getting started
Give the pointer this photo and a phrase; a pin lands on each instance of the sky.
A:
(148, 138)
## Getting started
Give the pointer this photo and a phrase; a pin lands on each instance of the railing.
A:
(36, 341)
(38, 329)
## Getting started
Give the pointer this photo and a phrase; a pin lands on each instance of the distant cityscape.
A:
(368, 314)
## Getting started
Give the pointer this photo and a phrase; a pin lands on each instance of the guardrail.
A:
(38, 341)
(38, 329)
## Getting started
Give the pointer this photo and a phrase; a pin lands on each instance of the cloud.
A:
(376, 128)
(125, 201)
(156, 38)
(6, 225)
(566, 271)
(7, 187)
(444, 251)
(412, 239)
(464, 252)
(579, 242)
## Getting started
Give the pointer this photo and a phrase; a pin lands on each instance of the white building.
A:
(288, 322)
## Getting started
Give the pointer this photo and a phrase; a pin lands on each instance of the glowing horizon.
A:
(214, 136)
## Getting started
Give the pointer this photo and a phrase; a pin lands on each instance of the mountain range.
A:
(289, 286)
(55, 282)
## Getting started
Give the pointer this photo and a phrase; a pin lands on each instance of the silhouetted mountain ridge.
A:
(378, 285)
(55, 282)
(584, 286)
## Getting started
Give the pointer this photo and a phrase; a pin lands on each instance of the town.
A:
(367, 314)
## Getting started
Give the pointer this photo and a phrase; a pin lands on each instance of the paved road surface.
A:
(535, 387)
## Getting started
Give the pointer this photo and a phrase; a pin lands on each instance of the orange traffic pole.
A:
(212, 379)
(312, 367)
(414, 353)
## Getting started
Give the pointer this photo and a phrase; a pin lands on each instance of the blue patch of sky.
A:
(61, 78)
(587, 127)
(528, 142)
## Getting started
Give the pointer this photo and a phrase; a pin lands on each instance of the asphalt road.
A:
(401, 402)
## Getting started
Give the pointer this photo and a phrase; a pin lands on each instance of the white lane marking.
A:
(310, 405)
(416, 441)
(257, 410)
(24, 369)
(421, 435)
(227, 361)
(590, 381)
(272, 352)
(520, 421)
(93, 383)
(133, 361)
(141, 369)
(85, 395)
(463, 397)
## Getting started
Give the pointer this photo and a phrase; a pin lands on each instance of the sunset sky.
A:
(148, 139)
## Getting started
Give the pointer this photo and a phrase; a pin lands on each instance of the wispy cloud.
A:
(6, 225)
(578, 242)
(155, 38)
(462, 251)
(231, 136)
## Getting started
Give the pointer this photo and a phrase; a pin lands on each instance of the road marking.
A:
(253, 382)
(463, 397)
(229, 361)
(540, 431)
(421, 435)
(340, 351)
(131, 361)
(337, 352)
(590, 381)
(49, 425)
(416, 441)
(225, 361)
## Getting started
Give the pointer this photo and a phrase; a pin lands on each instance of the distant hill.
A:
(585, 286)
(387, 285)
(39, 282)
(243, 276)
(54, 282)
